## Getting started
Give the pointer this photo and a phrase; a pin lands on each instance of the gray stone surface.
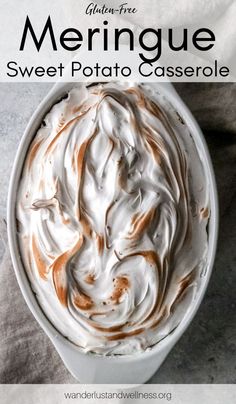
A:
(207, 351)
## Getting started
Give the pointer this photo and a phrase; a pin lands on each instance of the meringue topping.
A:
(113, 207)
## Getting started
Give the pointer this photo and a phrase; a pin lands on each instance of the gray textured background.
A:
(207, 351)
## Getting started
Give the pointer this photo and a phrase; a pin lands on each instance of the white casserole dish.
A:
(91, 368)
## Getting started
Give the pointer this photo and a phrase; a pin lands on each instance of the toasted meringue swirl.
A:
(112, 209)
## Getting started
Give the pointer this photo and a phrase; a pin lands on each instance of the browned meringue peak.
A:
(113, 206)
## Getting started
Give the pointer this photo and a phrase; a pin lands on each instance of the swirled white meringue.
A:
(112, 210)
